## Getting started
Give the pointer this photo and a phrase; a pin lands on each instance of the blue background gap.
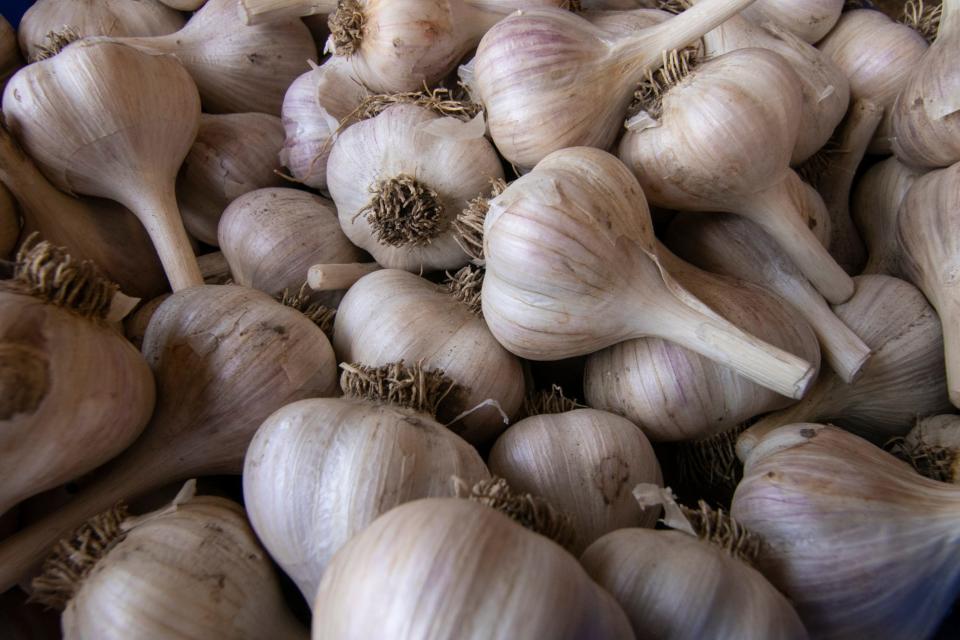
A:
(12, 10)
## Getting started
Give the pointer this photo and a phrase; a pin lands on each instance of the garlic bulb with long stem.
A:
(74, 392)
(928, 219)
(715, 118)
(808, 19)
(107, 120)
(538, 74)
(400, 178)
(932, 448)
(457, 569)
(9, 222)
(351, 459)
(877, 55)
(904, 377)
(571, 268)
(224, 358)
(10, 59)
(861, 544)
(672, 393)
(392, 315)
(121, 576)
(875, 206)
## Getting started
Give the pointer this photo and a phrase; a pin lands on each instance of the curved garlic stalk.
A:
(338, 276)
(929, 215)
(875, 207)
(232, 155)
(903, 379)
(538, 74)
(9, 221)
(10, 59)
(572, 268)
(811, 20)
(926, 116)
(107, 120)
(621, 23)
(672, 393)
(826, 502)
(715, 118)
(455, 568)
(877, 55)
(932, 448)
(224, 358)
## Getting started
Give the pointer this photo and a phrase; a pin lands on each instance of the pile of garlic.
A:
(452, 319)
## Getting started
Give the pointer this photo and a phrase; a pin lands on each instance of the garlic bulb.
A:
(932, 448)
(351, 459)
(875, 207)
(928, 216)
(258, 11)
(271, 237)
(926, 116)
(121, 576)
(10, 59)
(74, 392)
(313, 107)
(400, 178)
(224, 358)
(83, 18)
(809, 19)
(106, 120)
(672, 393)
(877, 55)
(538, 74)
(9, 222)
(90, 229)
(457, 569)
(903, 379)
(621, 23)
(571, 268)
(819, 496)
(716, 118)
(393, 315)
(232, 155)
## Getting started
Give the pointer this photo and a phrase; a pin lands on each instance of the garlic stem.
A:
(260, 11)
(949, 311)
(160, 215)
(214, 268)
(337, 277)
(843, 349)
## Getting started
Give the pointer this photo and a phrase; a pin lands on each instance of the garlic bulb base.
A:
(932, 448)
(411, 387)
(465, 286)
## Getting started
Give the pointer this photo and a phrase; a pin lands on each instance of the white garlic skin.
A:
(808, 19)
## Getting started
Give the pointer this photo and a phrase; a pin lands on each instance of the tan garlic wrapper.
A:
(877, 55)
(572, 268)
(904, 377)
(232, 155)
(224, 358)
(73, 392)
(9, 222)
(875, 208)
(104, 119)
(399, 180)
(393, 315)
(674, 394)
(932, 448)
(926, 116)
(451, 568)
(351, 459)
(271, 237)
(829, 504)
(811, 20)
(10, 59)
(539, 73)
(192, 570)
(721, 115)
(82, 18)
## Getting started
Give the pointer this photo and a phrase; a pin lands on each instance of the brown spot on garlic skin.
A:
(808, 433)
(24, 379)
(610, 477)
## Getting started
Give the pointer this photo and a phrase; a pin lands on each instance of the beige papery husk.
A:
(810, 20)
(399, 180)
(224, 358)
(926, 116)
(932, 448)
(9, 221)
(10, 59)
(706, 558)
(741, 109)
(192, 569)
(47, 22)
(818, 496)
(572, 268)
(877, 55)
(902, 380)
(73, 392)
(875, 208)
(673, 393)
(233, 154)
(453, 568)
(927, 232)
(352, 459)
(393, 315)
(104, 119)
(527, 65)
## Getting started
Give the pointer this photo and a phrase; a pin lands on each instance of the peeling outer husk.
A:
(827, 502)
(10, 59)
(811, 20)
(875, 208)
(932, 448)
(469, 223)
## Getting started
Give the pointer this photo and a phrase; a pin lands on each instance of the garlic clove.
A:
(811, 20)
(876, 204)
(932, 448)
(10, 59)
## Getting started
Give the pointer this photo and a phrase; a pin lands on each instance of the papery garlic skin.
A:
(451, 568)
(809, 19)
(875, 208)
(672, 585)
(828, 503)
